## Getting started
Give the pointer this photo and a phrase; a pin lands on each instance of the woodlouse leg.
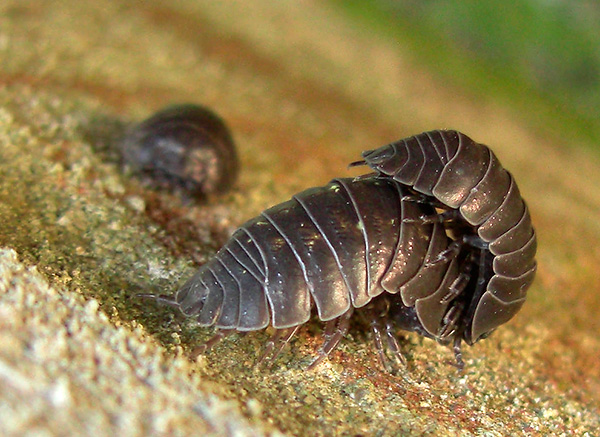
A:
(457, 287)
(458, 353)
(335, 330)
(270, 345)
(393, 345)
(220, 335)
(281, 337)
(398, 359)
(450, 321)
(447, 254)
(443, 217)
(160, 298)
(330, 328)
(418, 198)
(426, 200)
(284, 340)
(460, 283)
(476, 242)
(376, 329)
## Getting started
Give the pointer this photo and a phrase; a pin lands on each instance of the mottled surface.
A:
(80, 354)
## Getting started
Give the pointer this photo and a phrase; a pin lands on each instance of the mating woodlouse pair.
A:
(184, 147)
(437, 241)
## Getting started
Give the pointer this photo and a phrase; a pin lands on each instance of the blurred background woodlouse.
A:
(184, 147)
(437, 241)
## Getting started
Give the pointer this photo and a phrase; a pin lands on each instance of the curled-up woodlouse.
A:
(484, 210)
(438, 241)
(185, 147)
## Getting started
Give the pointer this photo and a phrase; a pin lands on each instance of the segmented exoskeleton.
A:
(467, 180)
(437, 241)
(339, 247)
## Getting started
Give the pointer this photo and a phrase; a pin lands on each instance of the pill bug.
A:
(183, 147)
(437, 241)
(466, 179)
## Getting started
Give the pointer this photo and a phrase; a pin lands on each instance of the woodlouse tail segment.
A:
(335, 330)
(275, 345)
(377, 156)
(159, 298)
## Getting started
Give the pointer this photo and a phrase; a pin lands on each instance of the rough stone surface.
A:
(80, 354)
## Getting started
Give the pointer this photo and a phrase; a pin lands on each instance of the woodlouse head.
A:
(489, 313)
(488, 307)
(183, 146)
(193, 298)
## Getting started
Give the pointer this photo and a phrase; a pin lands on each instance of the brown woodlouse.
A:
(183, 147)
(438, 241)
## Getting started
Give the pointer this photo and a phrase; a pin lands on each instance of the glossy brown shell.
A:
(337, 246)
(466, 176)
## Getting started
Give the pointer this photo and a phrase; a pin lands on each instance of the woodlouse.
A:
(467, 179)
(437, 241)
(184, 147)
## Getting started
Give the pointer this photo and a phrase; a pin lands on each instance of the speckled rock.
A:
(80, 354)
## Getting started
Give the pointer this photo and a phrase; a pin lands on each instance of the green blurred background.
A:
(543, 56)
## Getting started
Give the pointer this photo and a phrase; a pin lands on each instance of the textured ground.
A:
(78, 239)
